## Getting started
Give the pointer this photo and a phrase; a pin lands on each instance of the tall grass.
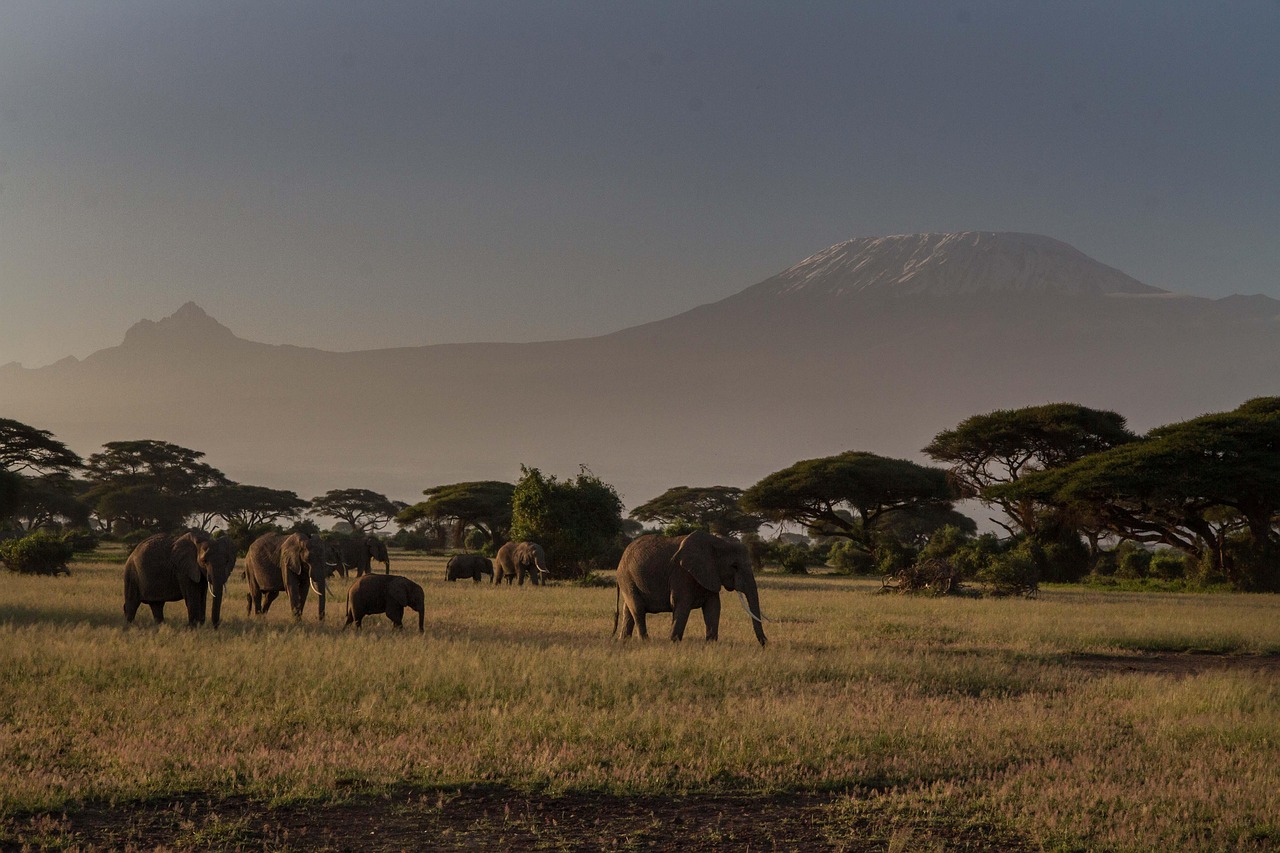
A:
(964, 709)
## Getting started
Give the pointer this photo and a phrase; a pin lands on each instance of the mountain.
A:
(872, 344)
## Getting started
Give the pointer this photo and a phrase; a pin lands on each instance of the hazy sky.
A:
(360, 174)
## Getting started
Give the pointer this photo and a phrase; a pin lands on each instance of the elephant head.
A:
(715, 562)
(206, 560)
(533, 555)
(378, 551)
(308, 558)
(405, 593)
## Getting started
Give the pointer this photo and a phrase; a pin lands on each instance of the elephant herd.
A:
(656, 574)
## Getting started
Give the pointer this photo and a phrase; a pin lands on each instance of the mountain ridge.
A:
(721, 394)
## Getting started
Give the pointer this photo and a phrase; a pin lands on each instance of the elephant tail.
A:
(617, 606)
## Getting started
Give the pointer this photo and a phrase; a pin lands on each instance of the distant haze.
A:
(357, 175)
(874, 344)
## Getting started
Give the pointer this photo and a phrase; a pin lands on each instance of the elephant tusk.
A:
(743, 599)
(213, 591)
(314, 587)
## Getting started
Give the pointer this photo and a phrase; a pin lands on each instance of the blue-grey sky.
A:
(355, 175)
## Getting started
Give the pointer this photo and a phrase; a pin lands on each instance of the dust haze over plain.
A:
(352, 176)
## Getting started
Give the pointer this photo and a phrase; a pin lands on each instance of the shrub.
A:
(475, 539)
(850, 558)
(1013, 572)
(1132, 560)
(81, 539)
(40, 553)
(1168, 564)
(893, 556)
(795, 559)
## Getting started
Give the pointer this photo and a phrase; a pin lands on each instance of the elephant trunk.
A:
(215, 616)
(320, 597)
(746, 585)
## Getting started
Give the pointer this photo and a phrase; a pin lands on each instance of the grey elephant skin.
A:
(468, 566)
(389, 594)
(359, 554)
(278, 562)
(190, 567)
(679, 574)
(515, 560)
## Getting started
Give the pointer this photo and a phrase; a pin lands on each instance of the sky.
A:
(361, 174)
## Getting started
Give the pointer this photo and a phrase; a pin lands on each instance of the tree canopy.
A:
(252, 506)
(483, 504)
(578, 521)
(1173, 486)
(150, 484)
(813, 492)
(25, 448)
(717, 509)
(365, 510)
(1002, 446)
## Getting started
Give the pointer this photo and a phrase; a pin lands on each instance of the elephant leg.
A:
(628, 624)
(266, 601)
(132, 599)
(193, 597)
(711, 617)
(350, 618)
(157, 611)
(396, 614)
(642, 627)
(679, 619)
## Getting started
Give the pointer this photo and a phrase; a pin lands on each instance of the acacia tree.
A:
(870, 489)
(249, 507)
(578, 521)
(717, 509)
(1002, 446)
(51, 499)
(150, 484)
(363, 509)
(484, 505)
(25, 448)
(1186, 485)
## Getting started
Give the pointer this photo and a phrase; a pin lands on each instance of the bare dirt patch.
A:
(496, 819)
(1176, 663)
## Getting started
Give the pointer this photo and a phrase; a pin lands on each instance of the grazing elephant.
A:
(359, 553)
(468, 566)
(178, 568)
(517, 559)
(389, 594)
(292, 562)
(676, 574)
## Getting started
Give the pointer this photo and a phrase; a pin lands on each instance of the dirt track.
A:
(488, 819)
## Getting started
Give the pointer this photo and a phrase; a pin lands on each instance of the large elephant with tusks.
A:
(191, 568)
(278, 562)
(679, 574)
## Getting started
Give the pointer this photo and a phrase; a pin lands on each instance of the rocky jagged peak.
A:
(189, 324)
(953, 264)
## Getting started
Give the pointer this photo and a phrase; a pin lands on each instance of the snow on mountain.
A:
(963, 263)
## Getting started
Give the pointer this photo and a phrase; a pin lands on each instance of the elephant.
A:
(517, 559)
(469, 566)
(676, 574)
(184, 567)
(359, 553)
(278, 562)
(389, 594)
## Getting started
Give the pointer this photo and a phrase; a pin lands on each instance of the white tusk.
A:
(743, 598)
(213, 592)
(313, 586)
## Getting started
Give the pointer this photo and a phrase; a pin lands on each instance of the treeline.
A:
(131, 489)
(1075, 492)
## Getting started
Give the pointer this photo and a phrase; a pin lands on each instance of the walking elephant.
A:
(468, 566)
(190, 567)
(517, 559)
(678, 574)
(279, 562)
(359, 554)
(389, 594)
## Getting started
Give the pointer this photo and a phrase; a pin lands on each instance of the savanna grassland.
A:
(1081, 720)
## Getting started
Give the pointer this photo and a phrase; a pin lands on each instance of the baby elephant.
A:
(389, 594)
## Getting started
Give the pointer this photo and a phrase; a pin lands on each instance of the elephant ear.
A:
(185, 551)
(696, 555)
(291, 554)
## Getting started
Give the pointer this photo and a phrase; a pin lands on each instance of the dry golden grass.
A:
(946, 710)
